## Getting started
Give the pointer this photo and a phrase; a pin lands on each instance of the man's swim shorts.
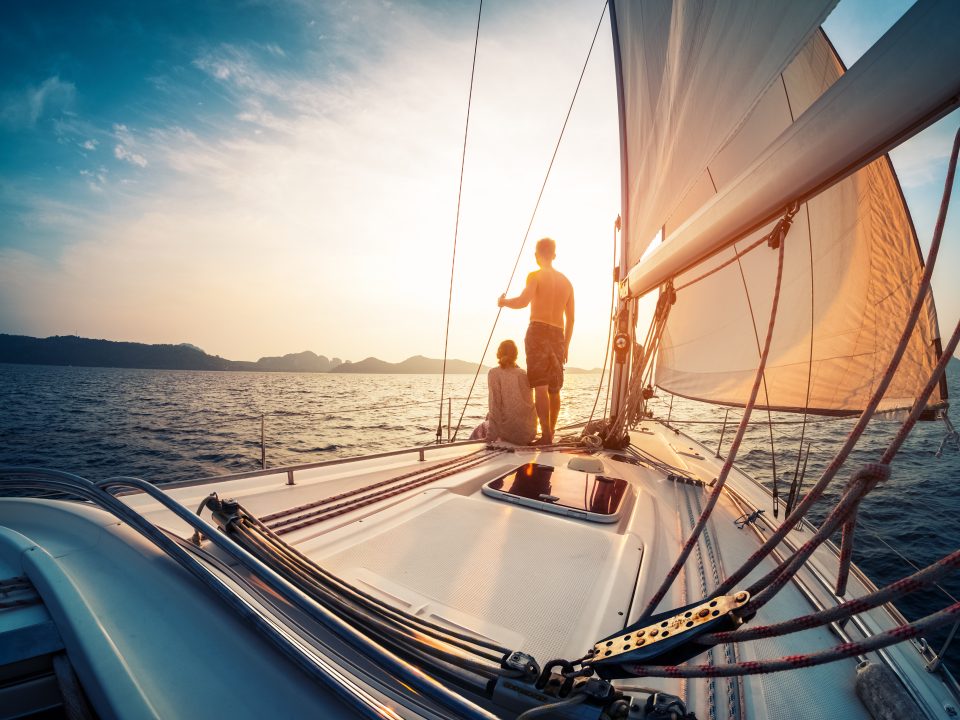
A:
(543, 345)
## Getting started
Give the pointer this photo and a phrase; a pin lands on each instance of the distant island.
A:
(86, 352)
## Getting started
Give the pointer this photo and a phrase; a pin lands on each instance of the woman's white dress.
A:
(512, 415)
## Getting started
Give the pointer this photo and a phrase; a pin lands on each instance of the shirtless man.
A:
(550, 297)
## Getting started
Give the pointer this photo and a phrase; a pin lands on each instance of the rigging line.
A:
(734, 446)
(907, 560)
(854, 435)
(736, 258)
(791, 662)
(863, 481)
(792, 495)
(606, 352)
(532, 216)
(766, 395)
(921, 579)
(456, 226)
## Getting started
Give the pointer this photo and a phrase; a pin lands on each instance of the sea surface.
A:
(175, 425)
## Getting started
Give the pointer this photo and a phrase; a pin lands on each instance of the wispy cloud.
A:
(125, 147)
(325, 201)
(96, 179)
(923, 159)
(24, 109)
(90, 144)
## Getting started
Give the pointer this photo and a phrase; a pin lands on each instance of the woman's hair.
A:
(507, 354)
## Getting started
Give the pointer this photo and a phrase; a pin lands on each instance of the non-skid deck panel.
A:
(541, 576)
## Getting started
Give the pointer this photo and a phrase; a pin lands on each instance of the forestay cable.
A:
(456, 225)
(533, 215)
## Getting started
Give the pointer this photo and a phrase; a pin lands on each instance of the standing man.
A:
(550, 297)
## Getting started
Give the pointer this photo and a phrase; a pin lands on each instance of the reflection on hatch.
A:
(560, 490)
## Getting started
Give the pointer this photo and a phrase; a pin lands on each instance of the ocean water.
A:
(177, 425)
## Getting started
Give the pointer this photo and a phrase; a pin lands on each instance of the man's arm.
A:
(567, 325)
(523, 299)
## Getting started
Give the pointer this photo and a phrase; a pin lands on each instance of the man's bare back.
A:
(551, 293)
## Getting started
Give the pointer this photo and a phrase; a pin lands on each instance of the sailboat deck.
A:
(552, 585)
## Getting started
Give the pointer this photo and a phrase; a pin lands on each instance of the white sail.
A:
(852, 266)
(692, 71)
(902, 84)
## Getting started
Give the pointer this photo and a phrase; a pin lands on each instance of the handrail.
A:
(99, 493)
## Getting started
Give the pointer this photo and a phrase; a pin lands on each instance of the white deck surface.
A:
(551, 585)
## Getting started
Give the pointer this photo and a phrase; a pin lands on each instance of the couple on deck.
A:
(512, 416)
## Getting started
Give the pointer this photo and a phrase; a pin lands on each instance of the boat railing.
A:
(291, 470)
(261, 418)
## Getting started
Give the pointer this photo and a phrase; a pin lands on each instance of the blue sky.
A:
(270, 176)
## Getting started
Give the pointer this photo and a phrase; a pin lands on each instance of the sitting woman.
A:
(511, 416)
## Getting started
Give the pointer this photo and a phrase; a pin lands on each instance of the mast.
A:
(621, 376)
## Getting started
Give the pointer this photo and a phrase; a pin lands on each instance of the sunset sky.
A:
(265, 177)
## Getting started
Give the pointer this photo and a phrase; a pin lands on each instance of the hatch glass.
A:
(560, 490)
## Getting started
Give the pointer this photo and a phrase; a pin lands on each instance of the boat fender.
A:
(882, 693)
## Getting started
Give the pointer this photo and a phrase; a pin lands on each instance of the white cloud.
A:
(124, 149)
(90, 144)
(237, 69)
(96, 179)
(120, 152)
(923, 159)
(332, 229)
(26, 108)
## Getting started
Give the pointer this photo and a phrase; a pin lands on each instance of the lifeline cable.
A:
(456, 226)
(533, 215)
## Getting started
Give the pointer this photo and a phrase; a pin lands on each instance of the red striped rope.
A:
(791, 662)
(350, 505)
(930, 575)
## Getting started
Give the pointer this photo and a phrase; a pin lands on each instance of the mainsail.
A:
(691, 71)
(851, 266)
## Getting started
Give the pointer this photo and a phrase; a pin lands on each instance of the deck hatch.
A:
(560, 490)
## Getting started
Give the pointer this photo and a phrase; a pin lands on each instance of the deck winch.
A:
(666, 637)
